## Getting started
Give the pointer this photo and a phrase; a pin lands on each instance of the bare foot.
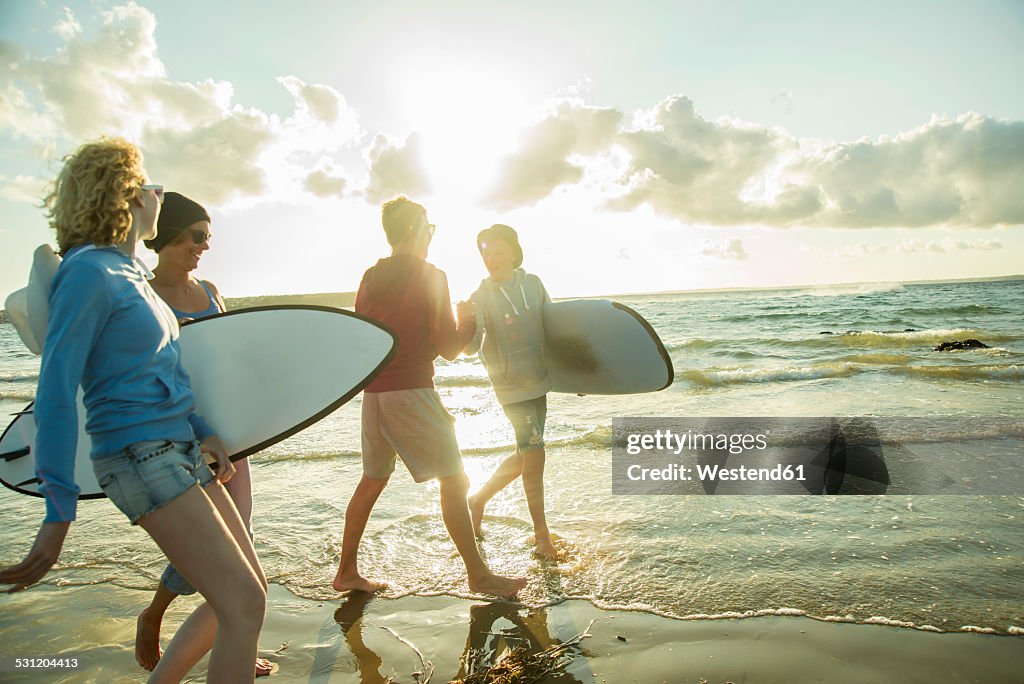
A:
(356, 582)
(476, 513)
(546, 549)
(147, 641)
(496, 585)
(265, 668)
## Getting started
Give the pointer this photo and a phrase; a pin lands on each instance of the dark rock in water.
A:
(961, 344)
(825, 332)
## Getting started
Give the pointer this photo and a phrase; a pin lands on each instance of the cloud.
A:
(689, 168)
(22, 188)
(913, 246)
(322, 119)
(543, 162)
(395, 169)
(948, 246)
(326, 180)
(214, 161)
(962, 172)
(967, 171)
(67, 27)
(731, 249)
(863, 249)
(194, 135)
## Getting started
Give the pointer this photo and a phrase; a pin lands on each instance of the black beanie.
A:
(499, 231)
(177, 213)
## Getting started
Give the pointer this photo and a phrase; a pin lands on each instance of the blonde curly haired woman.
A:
(111, 334)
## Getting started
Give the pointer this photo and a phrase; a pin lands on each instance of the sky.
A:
(635, 146)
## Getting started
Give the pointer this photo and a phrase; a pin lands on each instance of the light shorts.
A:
(414, 425)
(151, 474)
(527, 418)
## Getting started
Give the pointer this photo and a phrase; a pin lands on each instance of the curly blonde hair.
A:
(89, 199)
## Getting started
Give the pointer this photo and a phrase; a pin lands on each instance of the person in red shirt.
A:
(402, 414)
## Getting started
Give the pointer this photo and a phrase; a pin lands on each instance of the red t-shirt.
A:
(411, 297)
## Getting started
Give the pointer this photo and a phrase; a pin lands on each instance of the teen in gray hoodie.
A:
(510, 338)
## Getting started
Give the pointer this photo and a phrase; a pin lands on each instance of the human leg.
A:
(528, 419)
(357, 514)
(417, 427)
(147, 632)
(172, 584)
(200, 630)
(455, 513)
(154, 484)
(533, 487)
(509, 470)
(201, 544)
(378, 464)
(240, 490)
(147, 627)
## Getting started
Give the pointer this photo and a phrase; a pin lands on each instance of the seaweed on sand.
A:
(519, 666)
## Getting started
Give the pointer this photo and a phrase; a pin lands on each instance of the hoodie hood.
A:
(518, 277)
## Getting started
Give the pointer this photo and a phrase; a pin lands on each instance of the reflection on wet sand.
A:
(349, 617)
(495, 631)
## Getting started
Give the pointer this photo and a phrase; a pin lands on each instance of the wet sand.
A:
(367, 639)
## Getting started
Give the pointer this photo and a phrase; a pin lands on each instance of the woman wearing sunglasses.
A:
(183, 234)
(110, 334)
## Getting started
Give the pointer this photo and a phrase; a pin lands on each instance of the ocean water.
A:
(950, 563)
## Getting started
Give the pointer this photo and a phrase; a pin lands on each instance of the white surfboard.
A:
(596, 346)
(29, 307)
(259, 375)
(16, 306)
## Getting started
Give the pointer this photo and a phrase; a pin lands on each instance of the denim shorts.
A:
(176, 582)
(148, 475)
(527, 418)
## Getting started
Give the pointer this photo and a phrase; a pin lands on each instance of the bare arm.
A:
(449, 338)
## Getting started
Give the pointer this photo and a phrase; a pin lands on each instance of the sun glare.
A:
(468, 115)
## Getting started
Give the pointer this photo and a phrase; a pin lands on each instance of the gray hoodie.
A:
(510, 325)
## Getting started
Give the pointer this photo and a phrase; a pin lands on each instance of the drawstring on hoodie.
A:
(522, 291)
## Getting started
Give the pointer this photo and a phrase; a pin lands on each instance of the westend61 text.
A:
(714, 473)
(667, 440)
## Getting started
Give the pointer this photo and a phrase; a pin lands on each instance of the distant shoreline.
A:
(347, 299)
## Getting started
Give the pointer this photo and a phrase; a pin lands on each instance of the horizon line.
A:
(741, 288)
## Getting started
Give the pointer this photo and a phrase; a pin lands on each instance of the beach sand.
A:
(367, 639)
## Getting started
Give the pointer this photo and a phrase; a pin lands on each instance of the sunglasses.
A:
(158, 190)
(199, 236)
